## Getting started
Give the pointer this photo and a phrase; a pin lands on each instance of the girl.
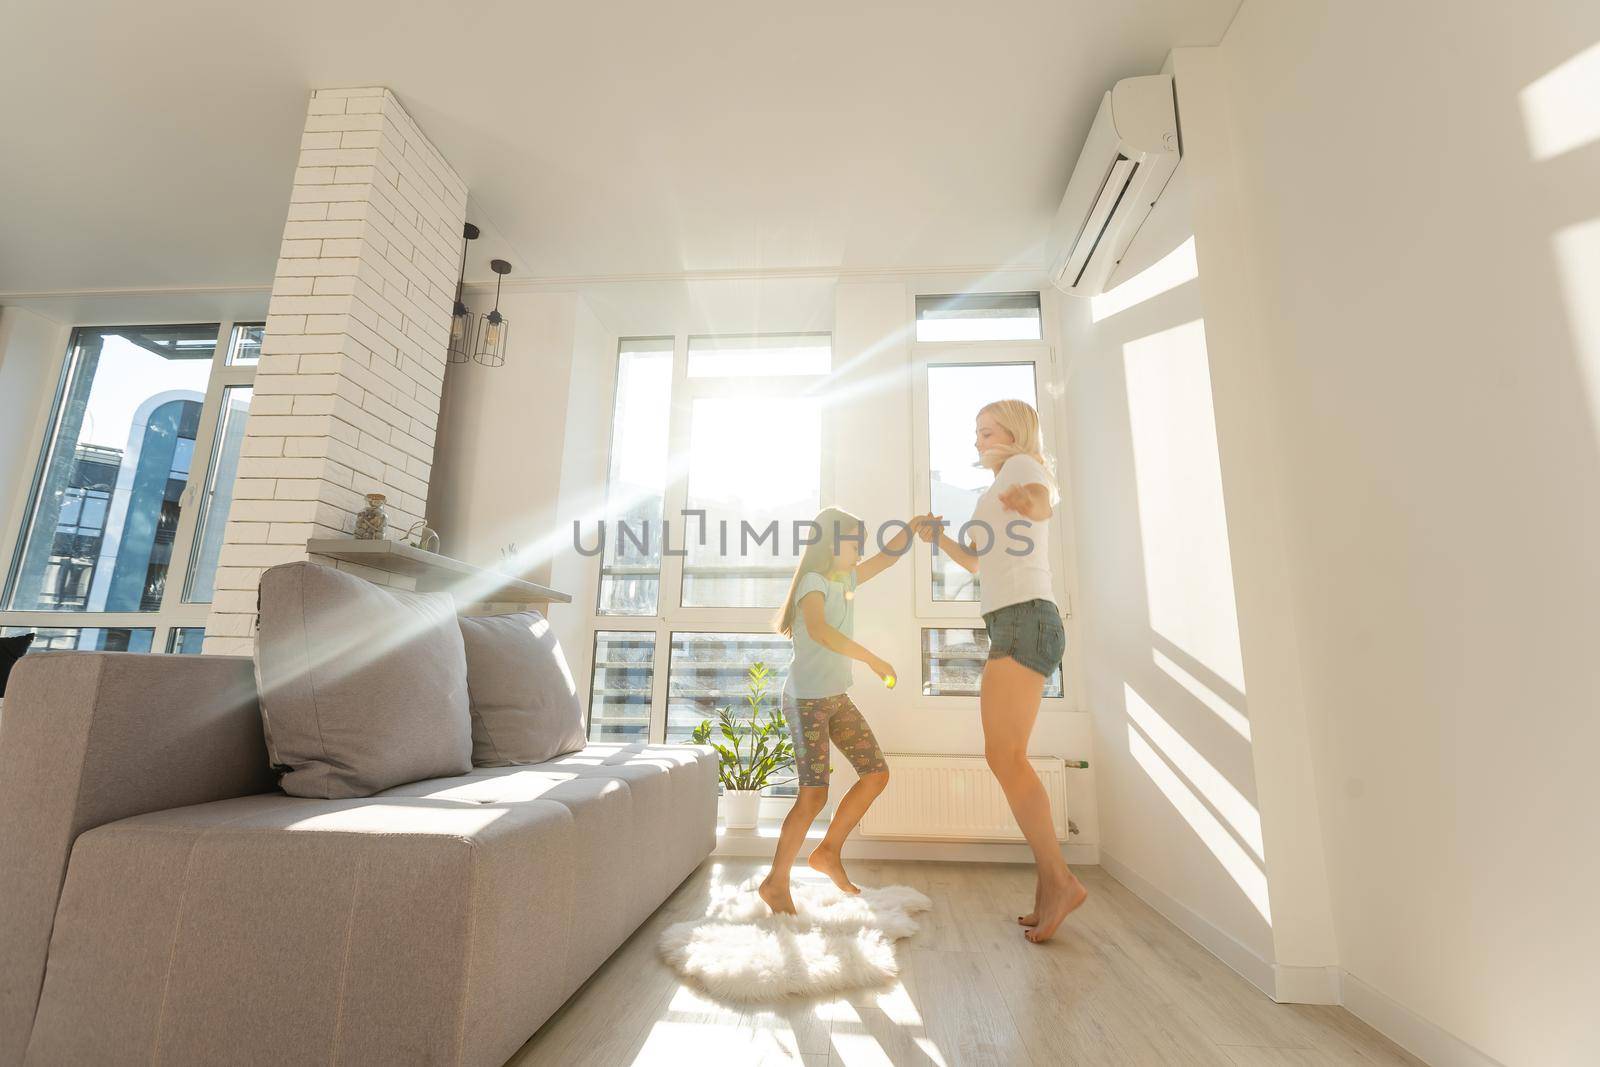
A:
(819, 617)
(1026, 638)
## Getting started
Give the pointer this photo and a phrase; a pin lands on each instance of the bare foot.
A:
(1032, 918)
(1055, 904)
(829, 863)
(777, 897)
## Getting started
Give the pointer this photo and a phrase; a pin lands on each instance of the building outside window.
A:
(111, 522)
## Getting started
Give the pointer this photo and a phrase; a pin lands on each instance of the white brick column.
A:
(347, 392)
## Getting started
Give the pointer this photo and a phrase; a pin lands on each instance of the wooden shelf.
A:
(435, 573)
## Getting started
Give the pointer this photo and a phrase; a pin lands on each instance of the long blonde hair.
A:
(1021, 421)
(835, 523)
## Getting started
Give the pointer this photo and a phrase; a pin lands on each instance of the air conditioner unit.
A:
(1130, 155)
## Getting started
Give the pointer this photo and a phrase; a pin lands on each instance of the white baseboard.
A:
(1426, 1040)
(1422, 1038)
(1251, 967)
(1305, 985)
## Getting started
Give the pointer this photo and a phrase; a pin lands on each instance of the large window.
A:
(754, 470)
(109, 534)
(622, 685)
(979, 317)
(630, 578)
(708, 671)
(227, 442)
(956, 392)
(85, 638)
(724, 442)
(730, 430)
(952, 381)
(953, 659)
(761, 355)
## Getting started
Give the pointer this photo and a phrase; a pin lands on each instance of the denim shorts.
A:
(1030, 633)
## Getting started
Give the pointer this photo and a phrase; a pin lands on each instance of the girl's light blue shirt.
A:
(817, 671)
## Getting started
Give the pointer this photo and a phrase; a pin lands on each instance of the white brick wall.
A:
(347, 391)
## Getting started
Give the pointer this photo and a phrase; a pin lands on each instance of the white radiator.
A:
(956, 798)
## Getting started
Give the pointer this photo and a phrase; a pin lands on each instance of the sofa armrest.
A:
(87, 738)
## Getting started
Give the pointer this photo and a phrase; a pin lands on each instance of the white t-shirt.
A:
(1016, 568)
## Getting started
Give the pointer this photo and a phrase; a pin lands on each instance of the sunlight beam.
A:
(1183, 523)
(1228, 852)
(1203, 693)
(1168, 272)
(1578, 261)
(1561, 110)
(1212, 783)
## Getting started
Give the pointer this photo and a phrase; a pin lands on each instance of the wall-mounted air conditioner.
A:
(1127, 160)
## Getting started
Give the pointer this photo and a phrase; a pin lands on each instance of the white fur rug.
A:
(837, 942)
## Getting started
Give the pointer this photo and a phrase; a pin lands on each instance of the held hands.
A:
(928, 527)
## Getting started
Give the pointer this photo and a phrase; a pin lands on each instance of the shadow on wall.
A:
(1170, 694)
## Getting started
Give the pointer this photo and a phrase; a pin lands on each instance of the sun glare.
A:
(1561, 110)
(1578, 260)
(1234, 859)
(1168, 272)
(1211, 783)
(1203, 693)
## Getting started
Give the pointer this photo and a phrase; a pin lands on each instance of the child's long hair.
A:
(836, 524)
(1021, 421)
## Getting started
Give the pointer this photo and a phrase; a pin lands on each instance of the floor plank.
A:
(1119, 985)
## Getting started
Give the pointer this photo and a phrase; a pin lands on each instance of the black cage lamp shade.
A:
(494, 328)
(460, 350)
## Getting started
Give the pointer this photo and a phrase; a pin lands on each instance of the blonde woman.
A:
(819, 617)
(1026, 638)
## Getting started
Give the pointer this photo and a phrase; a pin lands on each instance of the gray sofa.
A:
(161, 900)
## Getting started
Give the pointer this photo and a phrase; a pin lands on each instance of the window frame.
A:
(174, 612)
(685, 391)
(924, 357)
(927, 612)
(671, 616)
(1042, 339)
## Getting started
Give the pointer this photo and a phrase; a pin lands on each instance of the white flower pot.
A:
(740, 808)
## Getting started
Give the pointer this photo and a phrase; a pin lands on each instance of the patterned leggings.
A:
(813, 722)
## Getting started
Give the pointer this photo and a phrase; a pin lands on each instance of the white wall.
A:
(1183, 645)
(498, 466)
(1395, 209)
(1430, 284)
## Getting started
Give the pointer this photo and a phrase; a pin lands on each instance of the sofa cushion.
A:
(672, 801)
(361, 687)
(274, 929)
(525, 706)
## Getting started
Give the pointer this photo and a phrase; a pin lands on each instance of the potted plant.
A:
(753, 745)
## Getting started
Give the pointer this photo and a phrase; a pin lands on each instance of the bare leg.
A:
(826, 856)
(775, 888)
(1010, 704)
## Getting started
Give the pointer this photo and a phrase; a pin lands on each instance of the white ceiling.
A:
(152, 145)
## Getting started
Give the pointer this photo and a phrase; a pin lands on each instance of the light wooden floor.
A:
(1119, 985)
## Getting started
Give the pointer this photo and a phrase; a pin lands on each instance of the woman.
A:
(1026, 638)
(818, 615)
